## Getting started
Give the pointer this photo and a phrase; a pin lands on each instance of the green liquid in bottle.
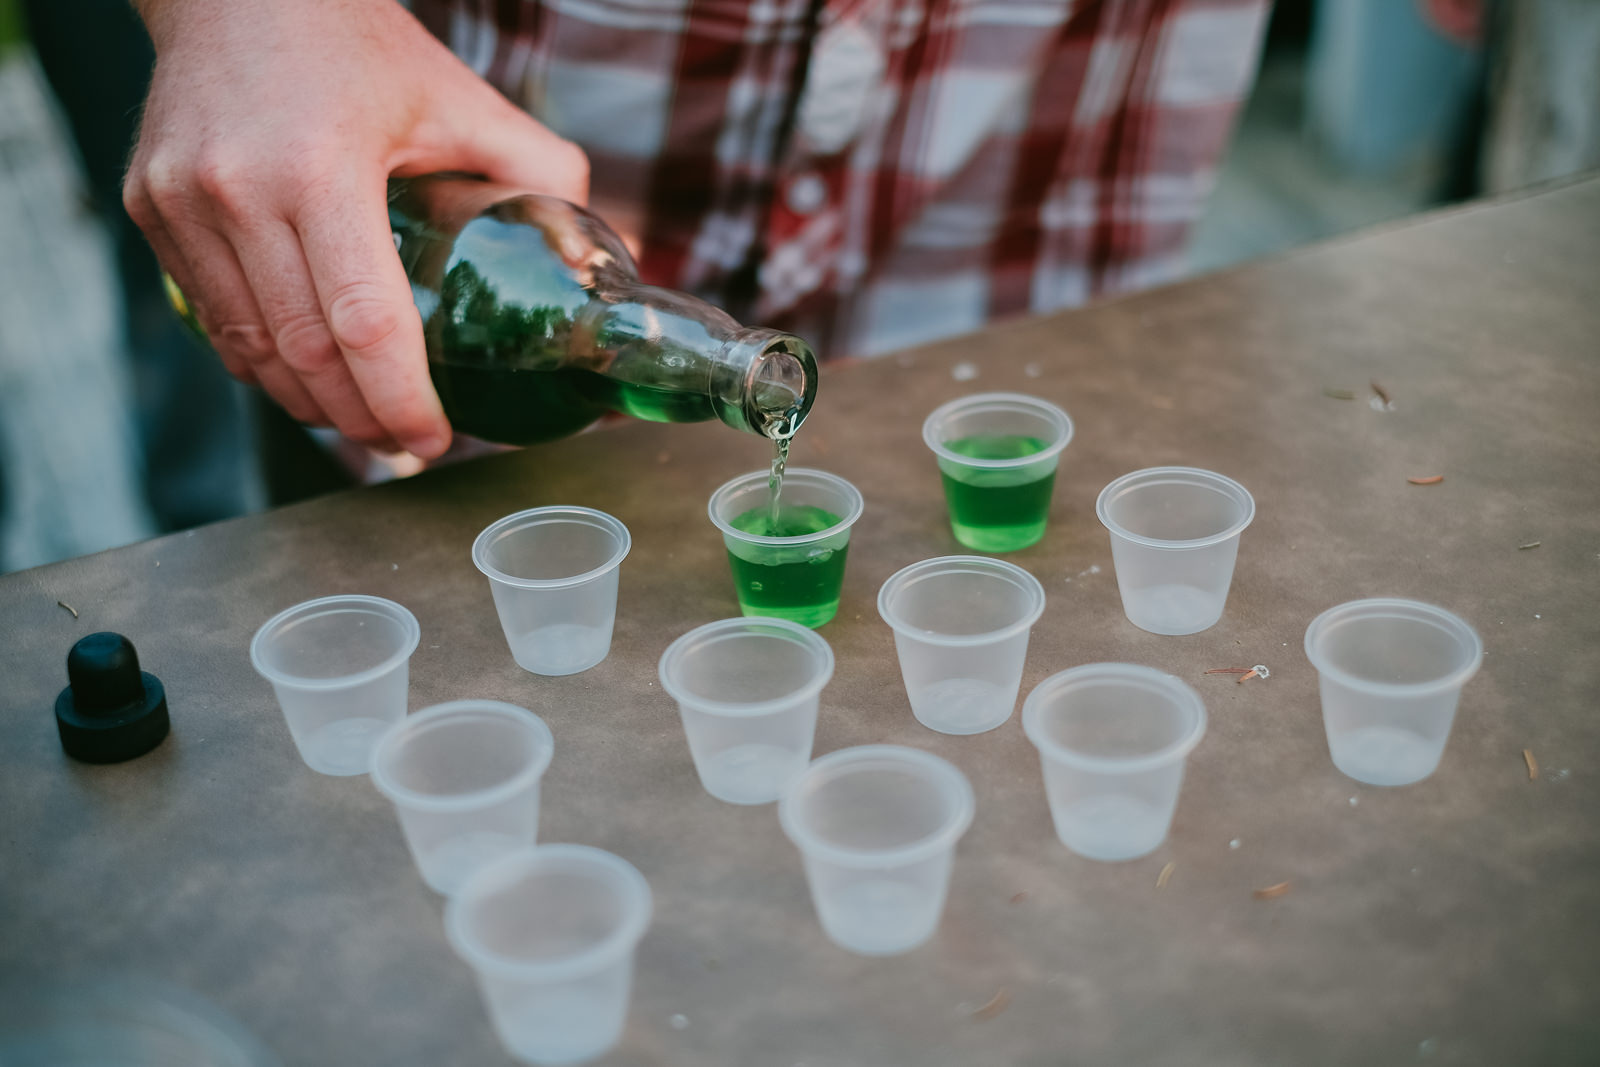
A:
(799, 582)
(998, 509)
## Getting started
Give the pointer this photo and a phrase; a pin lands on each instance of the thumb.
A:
(487, 135)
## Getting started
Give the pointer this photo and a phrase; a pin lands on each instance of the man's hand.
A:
(269, 135)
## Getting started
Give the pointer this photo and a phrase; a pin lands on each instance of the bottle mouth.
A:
(781, 387)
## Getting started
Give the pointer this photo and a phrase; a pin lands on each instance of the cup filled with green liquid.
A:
(997, 457)
(787, 550)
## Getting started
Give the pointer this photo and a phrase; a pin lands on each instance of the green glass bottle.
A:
(536, 323)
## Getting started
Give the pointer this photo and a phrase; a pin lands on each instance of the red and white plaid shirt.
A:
(872, 174)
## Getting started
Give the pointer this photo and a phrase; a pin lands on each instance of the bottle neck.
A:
(756, 380)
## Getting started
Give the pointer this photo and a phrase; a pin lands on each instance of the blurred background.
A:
(115, 425)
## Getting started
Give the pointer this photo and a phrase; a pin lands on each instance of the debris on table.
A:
(1018, 898)
(995, 1006)
(1530, 544)
(1272, 892)
(1381, 393)
(1230, 670)
(69, 607)
(1428, 479)
(1533, 764)
(1338, 394)
(1166, 875)
(964, 372)
(1258, 671)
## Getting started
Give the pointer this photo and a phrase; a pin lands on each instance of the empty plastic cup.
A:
(554, 575)
(748, 690)
(795, 571)
(1112, 740)
(1174, 536)
(550, 933)
(340, 668)
(961, 628)
(464, 778)
(877, 828)
(997, 457)
(1391, 672)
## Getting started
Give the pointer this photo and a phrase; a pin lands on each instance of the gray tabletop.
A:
(1453, 920)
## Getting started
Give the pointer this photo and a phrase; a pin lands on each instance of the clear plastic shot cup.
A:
(1112, 740)
(464, 779)
(554, 576)
(1174, 537)
(340, 667)
(877, 828)
(748, 691)
(997, 457)
(1391, 672)
(961, 627)
(796, 572)
(550, 933)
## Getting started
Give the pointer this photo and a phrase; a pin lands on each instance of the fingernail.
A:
(429, 446)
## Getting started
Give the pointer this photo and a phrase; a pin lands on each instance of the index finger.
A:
(366, 301)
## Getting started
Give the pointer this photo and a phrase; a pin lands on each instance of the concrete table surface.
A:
(1453, 920)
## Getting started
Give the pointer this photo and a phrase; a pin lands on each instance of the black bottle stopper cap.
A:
(112, 711)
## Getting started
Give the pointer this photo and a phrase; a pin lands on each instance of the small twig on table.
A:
(1230, 670)
(1381, 393)
(1338, 394)
(1431, 479)
(1166, 875)
(1533, 764)
(1273, 891)
(996, 1005)
(1530, 544)
(69, 607)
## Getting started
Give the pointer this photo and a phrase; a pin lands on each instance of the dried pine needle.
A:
(69, 607)
(1431, 479)
(1338, 394)
(1530, 544)
(1166, 875)
(1230, 670)
(996, 1005)
(1381, 393)
(1273, 891)
(1533, 764)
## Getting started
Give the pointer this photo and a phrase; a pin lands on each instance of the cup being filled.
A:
(1112, 741)
(961, 626)
(793, 569)
(877, 828)
(553, 572)
(1174, 539)
(1390, 673)
(464, 778)
(340, 668)
(997, 455)
(550, 933)
(748, 691)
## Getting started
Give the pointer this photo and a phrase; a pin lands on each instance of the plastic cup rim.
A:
(1197, 474)
(857, 505)
(1053, 412)
(933, 637)
(1150, 678)
(946, 774)
(803, 634)
(638, 906)
(402, 796)
(480, 546)
(375, 605)
(1378, 607)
